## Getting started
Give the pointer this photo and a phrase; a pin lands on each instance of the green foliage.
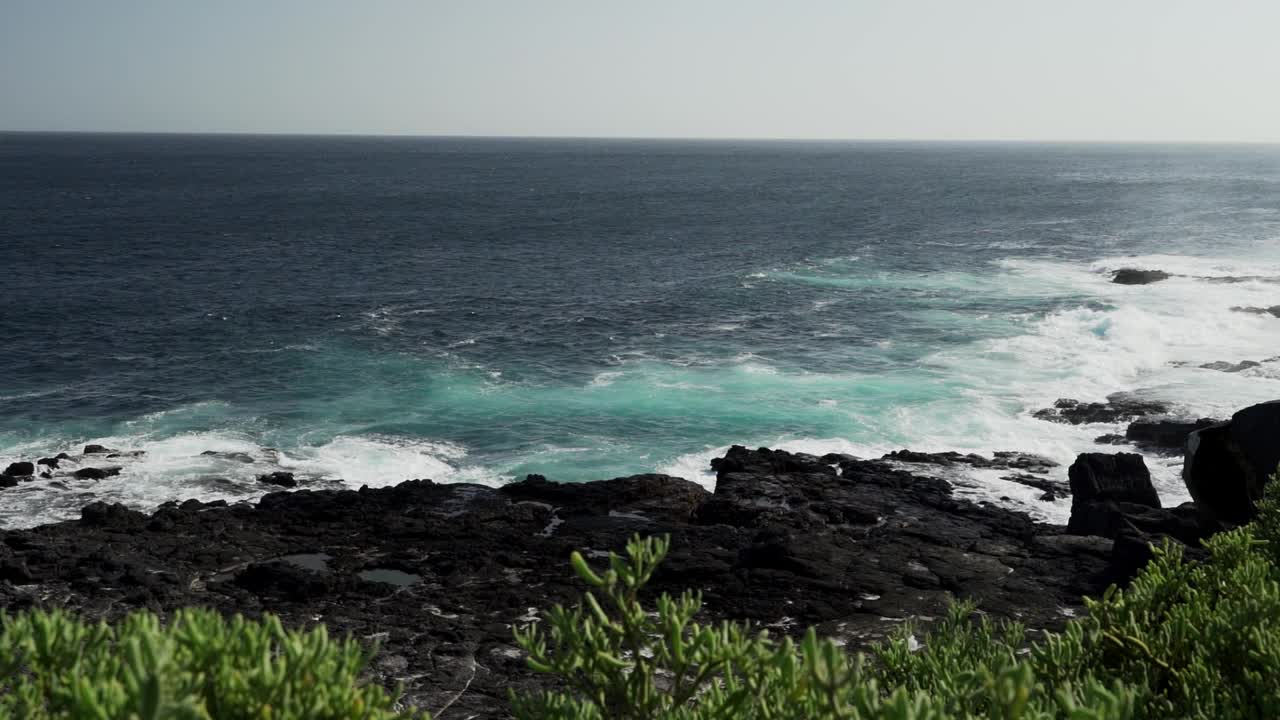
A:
(621, 661)
(200, 666)
(1184, 640)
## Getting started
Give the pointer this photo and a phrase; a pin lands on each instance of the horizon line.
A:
(635, 138)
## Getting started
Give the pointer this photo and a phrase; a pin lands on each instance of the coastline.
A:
(437, 575)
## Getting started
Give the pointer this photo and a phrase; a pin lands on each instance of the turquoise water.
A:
(367, 311)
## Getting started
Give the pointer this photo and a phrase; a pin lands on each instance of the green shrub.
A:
(621, 661)
(199, 666)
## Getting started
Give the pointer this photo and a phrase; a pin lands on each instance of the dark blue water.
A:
(377, 309)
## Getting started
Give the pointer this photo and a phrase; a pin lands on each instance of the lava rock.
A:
(283, 479)
(97, 450)
(241, 457)
(19, 469)
(15, 570)
(49, 462)
(285, 579)
(112, 515)
(1102, 489)
(1119, 407)
(1165, 434)
(1274, 310)
(95, 473)
(1052, 488)
(1228, 367)
(1226, 465)
(1133, 276)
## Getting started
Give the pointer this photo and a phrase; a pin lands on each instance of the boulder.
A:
(97, 450)
(1165, 434)
(111, 515)
(1106, 487)
(1227, 464)
(283, 479)
(94, 473)
(19, 469)
(49, 462)
(1133, 276)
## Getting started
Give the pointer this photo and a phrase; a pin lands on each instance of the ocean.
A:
(361, 311)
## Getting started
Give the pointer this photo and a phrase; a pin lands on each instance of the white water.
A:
(973, 397)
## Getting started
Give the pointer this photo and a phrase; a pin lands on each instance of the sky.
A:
(1144, 70)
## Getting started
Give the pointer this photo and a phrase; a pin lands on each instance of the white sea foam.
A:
(605, 379)
(225, 465)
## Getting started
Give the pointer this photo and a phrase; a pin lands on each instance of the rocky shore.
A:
(439, 574)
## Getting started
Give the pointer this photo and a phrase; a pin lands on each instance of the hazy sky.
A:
(944, 69)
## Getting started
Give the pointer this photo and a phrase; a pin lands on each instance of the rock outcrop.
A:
(1106, 487)
(1227, 464)
(279, 479)
(1133, 276)
(1165, 434)
(441, 573)
(1274, 310)
(1119, 407)
(19, 469)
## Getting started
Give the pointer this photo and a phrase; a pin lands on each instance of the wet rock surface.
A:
(1165, 434)
(1119, 407)
(439, 574)
(1134, 276)
(1274, 310)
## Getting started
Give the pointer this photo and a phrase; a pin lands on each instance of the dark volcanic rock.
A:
(283, 479)
(1165, 434)
(646, 497)
(1002, 460)
(94, 473)
(281, 578)
(111, 515)
(1224, 366)
(1274, 310)
(1105, 487)
(97, 450)
(19, 469)
(49, 462)
(1051, 488)
(1227, 464)
(1119, 407)
(1111, 439)
(783, 536)
(1133, 276)
(241, 457)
